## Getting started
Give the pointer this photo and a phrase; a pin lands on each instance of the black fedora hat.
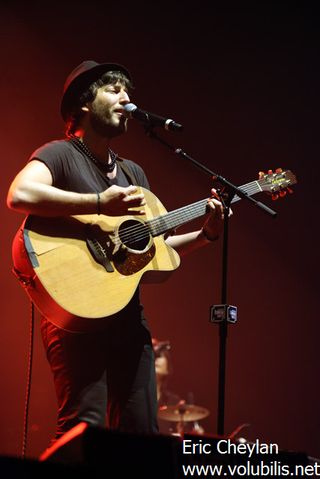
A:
(79, 80)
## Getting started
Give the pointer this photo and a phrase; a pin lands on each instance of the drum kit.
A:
(183, 415)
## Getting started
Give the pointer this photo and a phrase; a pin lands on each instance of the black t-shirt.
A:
(73, 171)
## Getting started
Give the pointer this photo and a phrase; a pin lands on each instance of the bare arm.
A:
(31, 192)
(188, 242)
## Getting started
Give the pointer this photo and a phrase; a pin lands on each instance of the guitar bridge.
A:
(99, 254)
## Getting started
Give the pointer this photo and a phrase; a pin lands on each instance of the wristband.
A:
(98, 204)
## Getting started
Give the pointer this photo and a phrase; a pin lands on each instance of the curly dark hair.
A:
(108, 78)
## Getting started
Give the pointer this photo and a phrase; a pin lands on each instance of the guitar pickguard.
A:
(128, 263)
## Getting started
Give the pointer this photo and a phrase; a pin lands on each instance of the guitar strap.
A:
(130, 174)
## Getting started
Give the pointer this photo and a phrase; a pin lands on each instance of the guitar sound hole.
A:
(134, 235)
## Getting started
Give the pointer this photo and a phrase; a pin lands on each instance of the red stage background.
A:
(244, 83)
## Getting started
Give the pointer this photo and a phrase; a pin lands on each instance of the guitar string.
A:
(151, 226)
(249, 188)
(138, 231)
(184, 215)
(177, 213)
(142, 231)
(127, 234)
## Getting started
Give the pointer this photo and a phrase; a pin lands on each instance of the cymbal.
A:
(182, 412)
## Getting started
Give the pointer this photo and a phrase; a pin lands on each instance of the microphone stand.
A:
(221, 314)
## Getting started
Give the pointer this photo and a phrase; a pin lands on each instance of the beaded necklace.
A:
(107, 167)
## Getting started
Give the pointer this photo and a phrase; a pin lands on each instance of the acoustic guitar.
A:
(83, 268)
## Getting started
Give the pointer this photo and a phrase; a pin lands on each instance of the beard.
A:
(106, 123)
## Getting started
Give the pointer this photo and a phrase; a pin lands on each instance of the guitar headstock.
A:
(277, 183)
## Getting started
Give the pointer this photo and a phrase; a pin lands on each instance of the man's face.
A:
(106, 110)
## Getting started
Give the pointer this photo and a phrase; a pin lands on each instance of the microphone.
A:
(132, 111)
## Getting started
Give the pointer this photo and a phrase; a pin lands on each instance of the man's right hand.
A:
(119, 201)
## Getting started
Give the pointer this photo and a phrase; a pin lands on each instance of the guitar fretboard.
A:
(162, 224)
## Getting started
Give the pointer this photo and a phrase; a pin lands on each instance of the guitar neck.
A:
(163, 223)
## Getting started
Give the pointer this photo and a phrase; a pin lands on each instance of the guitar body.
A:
(72, 284)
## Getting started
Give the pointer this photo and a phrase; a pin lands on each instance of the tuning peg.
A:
(279, 170)
(261, 174)
(282, 193)
(274, 196)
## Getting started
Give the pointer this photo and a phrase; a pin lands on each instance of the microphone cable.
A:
(28, 386)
